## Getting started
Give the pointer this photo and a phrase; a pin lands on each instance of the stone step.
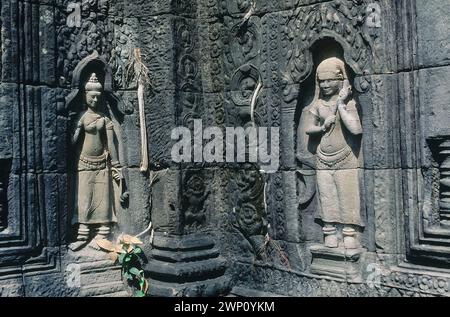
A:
(205, 288)
(186, 256)
(101, 276)
(116, 294)
(180, 272)
(239, 291)
(102, 289)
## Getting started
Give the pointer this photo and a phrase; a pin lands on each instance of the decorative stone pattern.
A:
(194, 196)
(75, 42)
(392, 284)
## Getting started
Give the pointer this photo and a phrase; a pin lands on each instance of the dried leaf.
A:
(119, 248)
(127, 239)
(146, 285)
(114, 256)
(105, 245)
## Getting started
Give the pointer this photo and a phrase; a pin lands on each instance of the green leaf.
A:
(127, 239)
(135, 271)
(121, 257)
(128, 276)
(139, 294)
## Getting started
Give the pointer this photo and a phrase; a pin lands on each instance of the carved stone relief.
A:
(331, 129)
(77, 41)
(194, 196)
(99, 184)
(444, 202)
(335, 123)
(343, 21)
(249, 214)
(319, 36)
(370, 221)
(244, 83)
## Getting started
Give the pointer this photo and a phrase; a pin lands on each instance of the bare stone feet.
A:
(77, 245)
(350, 240)
(331, 241)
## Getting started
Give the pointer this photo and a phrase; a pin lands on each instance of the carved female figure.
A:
(98, 165)
(334, 120)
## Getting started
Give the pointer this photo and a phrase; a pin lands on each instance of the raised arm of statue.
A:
(348, 111)
(350, 117)
(78, 129)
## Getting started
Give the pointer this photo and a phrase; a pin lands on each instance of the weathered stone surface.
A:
(12, 287)
(192, 261)
(432, 33)
(156, 38)
(136, 217)
(433, 101)
(223, 228)
(8, 103)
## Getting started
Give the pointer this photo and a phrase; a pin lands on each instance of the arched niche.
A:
(94, 63)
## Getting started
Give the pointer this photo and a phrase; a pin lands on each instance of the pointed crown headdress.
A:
(93, 84)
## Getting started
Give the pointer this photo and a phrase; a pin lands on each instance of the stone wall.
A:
(221, 228)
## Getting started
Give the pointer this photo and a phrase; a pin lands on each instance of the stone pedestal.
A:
(187, 265)
(337, 262)
(98, 275)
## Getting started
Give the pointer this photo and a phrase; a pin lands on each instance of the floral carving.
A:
(342, 20)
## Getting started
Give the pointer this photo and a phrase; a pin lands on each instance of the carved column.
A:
(185, 259)
(444, 203)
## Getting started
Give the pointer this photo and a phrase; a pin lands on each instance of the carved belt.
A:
(92, 163)
(333, 160)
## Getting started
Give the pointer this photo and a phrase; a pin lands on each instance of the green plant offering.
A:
(128, 254)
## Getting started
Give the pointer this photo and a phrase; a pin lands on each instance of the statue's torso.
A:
(94, 126)
(338, 148)
(334, 140)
